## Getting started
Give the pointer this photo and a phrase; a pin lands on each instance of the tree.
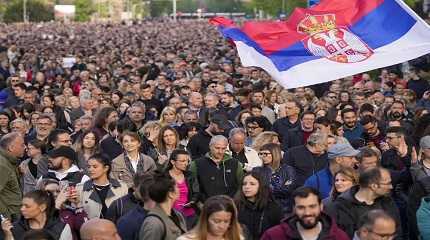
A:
(37, 11)
(84, 10)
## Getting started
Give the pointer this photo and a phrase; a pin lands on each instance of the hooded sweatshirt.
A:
(288, 230)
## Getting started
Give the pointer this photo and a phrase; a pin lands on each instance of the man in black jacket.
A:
(299, 136)
(199, 143)
(372, 193)
(308, 159)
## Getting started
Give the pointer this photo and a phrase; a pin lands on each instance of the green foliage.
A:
(276, 7)
(37, 11)
(160, 7)
(84, 10)
(223, 5)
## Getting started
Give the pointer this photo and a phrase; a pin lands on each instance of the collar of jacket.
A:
(88, 185)
(13, 160)
(226, 157)
(328, 226)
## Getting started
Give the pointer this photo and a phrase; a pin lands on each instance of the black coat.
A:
(256, 220)
(347, 210)
(121, 206)
(304, 162)
(295, 138)
(54, 227)
(420, 189)
(198, 145)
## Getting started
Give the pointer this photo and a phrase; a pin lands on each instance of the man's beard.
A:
(309, 225)
(54, 168)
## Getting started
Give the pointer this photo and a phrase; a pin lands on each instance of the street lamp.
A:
(174, 10)
(24, 11)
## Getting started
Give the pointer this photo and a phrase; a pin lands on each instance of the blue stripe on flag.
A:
(380, 28)
(377, 29)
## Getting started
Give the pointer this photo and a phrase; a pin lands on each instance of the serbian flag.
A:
(331, 40)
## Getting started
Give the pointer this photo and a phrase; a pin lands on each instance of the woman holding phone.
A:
(188, 196)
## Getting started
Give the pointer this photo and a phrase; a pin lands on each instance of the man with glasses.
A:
(254, 126)
(299, 136)
(376, 225)
(373, 136)
(372, 193)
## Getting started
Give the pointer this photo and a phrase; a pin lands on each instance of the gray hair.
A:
(8, 139)
(217, 138)
(317, 138)
(235, 131)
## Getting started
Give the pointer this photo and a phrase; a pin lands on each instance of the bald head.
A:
(99, 229)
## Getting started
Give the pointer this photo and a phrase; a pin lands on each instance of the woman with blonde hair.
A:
(344, 179)
(218, 220)
(169, 117)
(265, 138)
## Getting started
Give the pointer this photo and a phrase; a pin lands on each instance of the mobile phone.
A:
(63, 184)
(2, 217)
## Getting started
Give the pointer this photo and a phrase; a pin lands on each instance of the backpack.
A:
(129, 225)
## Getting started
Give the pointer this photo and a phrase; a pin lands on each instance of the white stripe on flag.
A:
(415, 43)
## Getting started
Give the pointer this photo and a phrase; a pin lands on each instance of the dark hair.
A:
(132, 135)
(53, 136)
(304, 192)
(367, 107)
(38, 144)
(43, 197)
(162, 186)
(174, 156)
(323, 120)
(145, 180)
(255, 105)
(186, 127)
(263, 196)
(37, 234)
(370, 176)
(261, 122)
(399, 131)
(307, 113)
(112, 126)
(21, 85)
(102, 115)
(367, 119)
(103, 159)
(346, 110)
(366, 152)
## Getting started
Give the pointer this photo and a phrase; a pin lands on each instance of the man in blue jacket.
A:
(340, 155)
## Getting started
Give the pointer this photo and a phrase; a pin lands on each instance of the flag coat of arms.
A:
(331, 40)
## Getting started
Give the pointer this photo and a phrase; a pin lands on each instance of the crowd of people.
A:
(153, 130)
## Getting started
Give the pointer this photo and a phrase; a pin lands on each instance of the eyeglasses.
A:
(252, 127)
(264, 154)
(391, 137)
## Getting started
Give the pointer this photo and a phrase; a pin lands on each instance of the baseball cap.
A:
(63, 151)
(425, 142)
(342, 150)
(220, 119)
